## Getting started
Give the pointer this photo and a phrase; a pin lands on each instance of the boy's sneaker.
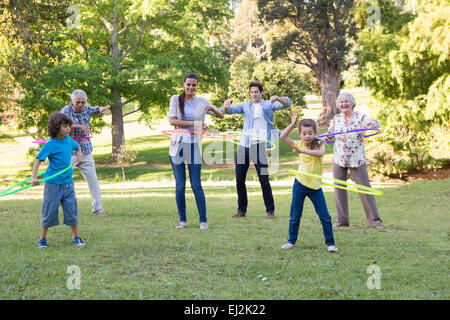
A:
(42, 243)
(181, 225)
(204, 226)
(287, 245)
(78, 242)
(100, 213)
(332, 249)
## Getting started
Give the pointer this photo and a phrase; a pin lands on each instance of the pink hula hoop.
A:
(44, 141)
(206, 134)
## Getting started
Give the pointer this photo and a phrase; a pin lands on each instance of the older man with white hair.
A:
(80, 113)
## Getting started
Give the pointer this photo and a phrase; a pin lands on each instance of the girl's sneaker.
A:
(78, 242)
(332, 249)
(181, 225)
(287, 245)
(42, 243)
(203, 226)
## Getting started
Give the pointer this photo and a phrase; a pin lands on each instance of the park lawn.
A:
(136, 253)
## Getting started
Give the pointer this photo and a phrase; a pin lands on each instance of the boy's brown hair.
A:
(55, 121)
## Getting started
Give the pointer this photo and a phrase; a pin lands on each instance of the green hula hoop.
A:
(240, 133)
(350, 186)
(5, 192)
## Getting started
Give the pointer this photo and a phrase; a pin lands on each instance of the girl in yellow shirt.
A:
(311, 151)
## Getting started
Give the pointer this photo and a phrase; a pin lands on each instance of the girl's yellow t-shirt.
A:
(309, 164)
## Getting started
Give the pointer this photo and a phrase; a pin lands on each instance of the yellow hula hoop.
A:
(350, 186)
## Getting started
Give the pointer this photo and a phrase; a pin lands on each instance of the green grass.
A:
(136, 253)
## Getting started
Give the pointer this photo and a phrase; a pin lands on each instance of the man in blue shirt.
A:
(258, 123)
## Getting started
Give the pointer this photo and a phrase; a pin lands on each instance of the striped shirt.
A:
(83, 118)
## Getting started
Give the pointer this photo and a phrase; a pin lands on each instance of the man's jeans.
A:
(189, 153)
(257, 154)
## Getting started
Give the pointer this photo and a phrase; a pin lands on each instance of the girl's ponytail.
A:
(181, 103)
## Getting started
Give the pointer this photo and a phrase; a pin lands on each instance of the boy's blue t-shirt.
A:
(59, 154)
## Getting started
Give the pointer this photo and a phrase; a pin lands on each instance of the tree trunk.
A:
(117, 132)
(329, 80)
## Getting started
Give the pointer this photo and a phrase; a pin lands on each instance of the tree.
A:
(249, 34)
(317, 35)
(119, 52)
(8, 109)
(278, 78)
(406, 68)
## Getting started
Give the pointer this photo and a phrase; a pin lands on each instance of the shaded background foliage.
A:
(406, 67)
(136, 52)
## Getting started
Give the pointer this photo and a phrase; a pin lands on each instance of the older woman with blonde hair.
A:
(349, 155)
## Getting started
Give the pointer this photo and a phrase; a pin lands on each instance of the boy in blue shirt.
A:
(60, 189)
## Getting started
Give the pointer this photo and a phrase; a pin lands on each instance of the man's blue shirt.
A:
(59, 154)
(268, 108)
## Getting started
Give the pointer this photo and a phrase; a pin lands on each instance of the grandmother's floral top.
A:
(349, 147)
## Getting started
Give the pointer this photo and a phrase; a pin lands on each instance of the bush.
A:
(382, 160)
(408, 141)
(281, 79)
(32, 153)
(126, 156)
